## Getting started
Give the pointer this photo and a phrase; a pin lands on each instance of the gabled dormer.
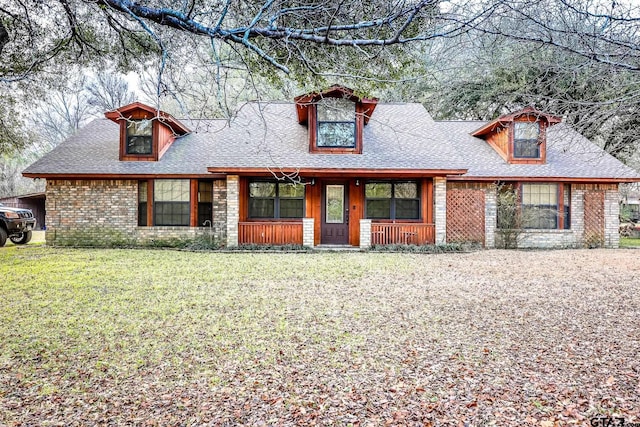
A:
(335, 119)
(520, 137)
(145, 132)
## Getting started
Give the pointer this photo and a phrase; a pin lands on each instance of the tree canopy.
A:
(465, 58)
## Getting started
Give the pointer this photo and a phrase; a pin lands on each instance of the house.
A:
(329, 168)
(630, 203)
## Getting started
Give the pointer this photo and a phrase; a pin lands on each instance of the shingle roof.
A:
(569, 155)
(268, 135)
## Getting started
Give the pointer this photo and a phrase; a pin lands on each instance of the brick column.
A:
(611, 219)
(490, 216)
(440, 214)
(220, 209)
(365, 233)
(308, 232)
(233, 209)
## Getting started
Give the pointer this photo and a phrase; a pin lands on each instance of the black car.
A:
(16, 224)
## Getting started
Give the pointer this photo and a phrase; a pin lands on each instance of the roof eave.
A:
(72, 175)
(544, 179)
(335, 172)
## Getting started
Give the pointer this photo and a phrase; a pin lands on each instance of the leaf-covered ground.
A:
(139, 337)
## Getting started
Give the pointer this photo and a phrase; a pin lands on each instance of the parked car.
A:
(16, 224)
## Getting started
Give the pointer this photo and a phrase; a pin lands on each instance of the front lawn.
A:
(629, 242)
(161, 337)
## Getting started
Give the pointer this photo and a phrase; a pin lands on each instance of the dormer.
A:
(335, 119)
(520, 137)
(145, 132)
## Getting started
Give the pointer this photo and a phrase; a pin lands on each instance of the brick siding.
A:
(105, 213)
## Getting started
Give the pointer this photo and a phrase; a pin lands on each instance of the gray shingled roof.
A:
(569, 155)
(267, 135)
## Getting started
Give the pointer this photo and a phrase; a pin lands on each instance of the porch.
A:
(302, 233)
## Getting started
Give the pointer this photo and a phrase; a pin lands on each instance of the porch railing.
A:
(268, 232)
(404, 234)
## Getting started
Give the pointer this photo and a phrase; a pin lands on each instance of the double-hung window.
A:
(540, 206)
(526, 140)
(139, 137)
(171, 202)
(392, 200)
(272, 200)
(336, 123)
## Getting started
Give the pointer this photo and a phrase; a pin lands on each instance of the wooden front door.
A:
(335, 214)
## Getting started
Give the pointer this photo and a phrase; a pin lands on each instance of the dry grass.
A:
(137, 337)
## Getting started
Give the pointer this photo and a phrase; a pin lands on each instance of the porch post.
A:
(490, 216)
(612, 218)
(233, 209)
(365, 233)
(440, 214)
(308, 237)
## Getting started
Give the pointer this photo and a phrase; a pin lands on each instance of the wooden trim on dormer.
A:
(138, 115)
(167, 119)
(542, 142)
(306, 107)
(499, 140)
(165, 130)
(499, 134)
(313, 133)
(306, 101)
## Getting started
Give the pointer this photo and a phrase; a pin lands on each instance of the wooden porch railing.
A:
(404, 234)
(268, 232)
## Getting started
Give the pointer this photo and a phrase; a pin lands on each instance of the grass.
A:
(121, 336)
(629, 242)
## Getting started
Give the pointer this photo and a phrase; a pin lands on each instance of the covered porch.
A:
(371, 234)
(361, 210)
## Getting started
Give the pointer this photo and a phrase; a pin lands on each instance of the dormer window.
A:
(520, 137)
(526, 140)
(336, 118)
(139, 137)
(146, 133)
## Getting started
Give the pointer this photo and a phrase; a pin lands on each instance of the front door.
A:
(335, 214)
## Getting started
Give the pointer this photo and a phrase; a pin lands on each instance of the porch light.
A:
(357, 183)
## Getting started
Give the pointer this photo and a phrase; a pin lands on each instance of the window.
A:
(526, 140)
(171, 201)
(142, 203)
(567, 206)
(540, 206)
(336, 123)
(139, 137)
(392, 200)
(205, 202)
(276, 200)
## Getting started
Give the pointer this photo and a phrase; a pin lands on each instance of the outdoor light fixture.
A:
(357, 183)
